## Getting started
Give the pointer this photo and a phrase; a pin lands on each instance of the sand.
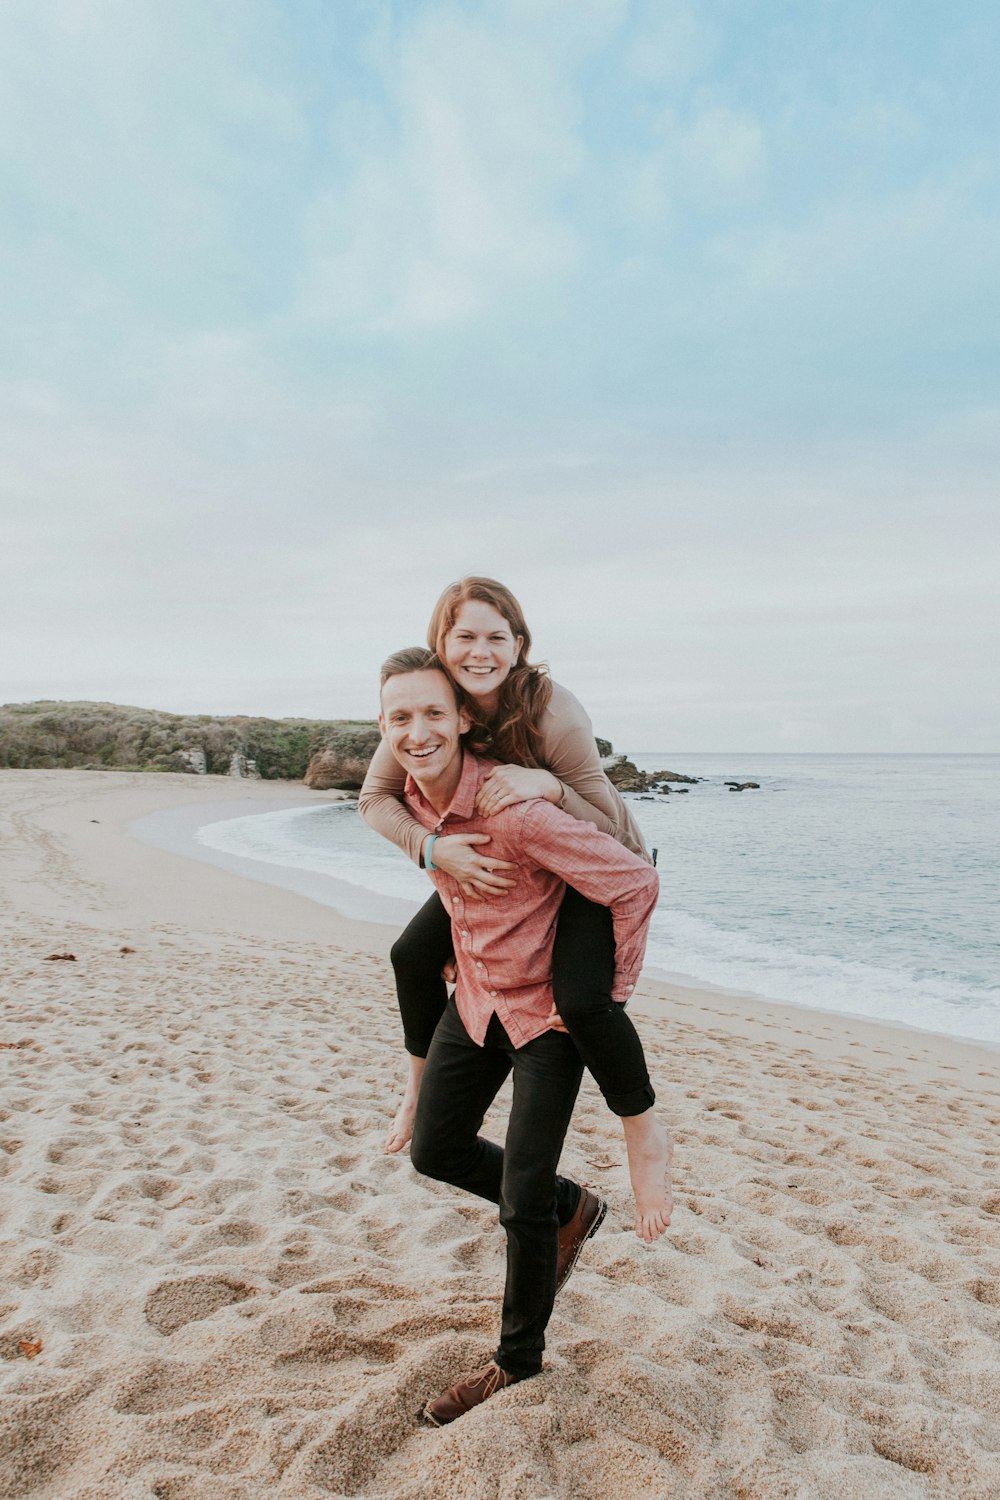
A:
(214, 1285)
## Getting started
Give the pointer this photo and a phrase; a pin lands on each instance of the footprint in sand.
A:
(157, 1187)
(916, 1450)
(157, 1387)
(174, 1304)
(239, 1232)
(332, 1345)
(987, 1292)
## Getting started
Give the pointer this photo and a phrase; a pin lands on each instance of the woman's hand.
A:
(475, 871)
(555, 1021)
(508, 785)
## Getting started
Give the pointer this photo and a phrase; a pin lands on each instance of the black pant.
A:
(583, 966)
(460, 1082)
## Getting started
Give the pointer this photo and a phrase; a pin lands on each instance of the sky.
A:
(680, 319)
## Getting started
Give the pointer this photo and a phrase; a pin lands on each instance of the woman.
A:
(545, 742)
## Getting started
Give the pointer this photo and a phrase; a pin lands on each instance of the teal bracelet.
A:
(428, 862)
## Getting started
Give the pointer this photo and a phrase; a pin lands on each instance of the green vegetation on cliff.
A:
(108, 736)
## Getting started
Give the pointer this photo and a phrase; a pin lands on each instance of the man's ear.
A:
(381, 722)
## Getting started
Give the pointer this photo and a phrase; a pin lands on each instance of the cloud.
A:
(139, 141)
(723, 154)
(668, 44)
(681, 327)
(454, 196)
(715, 160)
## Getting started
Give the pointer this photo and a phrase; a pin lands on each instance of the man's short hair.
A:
(410, 659)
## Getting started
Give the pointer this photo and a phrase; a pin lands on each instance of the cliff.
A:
(325, 753)
(110, 736)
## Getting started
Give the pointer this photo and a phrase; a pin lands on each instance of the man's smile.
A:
(424, 725)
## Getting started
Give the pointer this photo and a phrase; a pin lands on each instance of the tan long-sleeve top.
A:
(566, 748)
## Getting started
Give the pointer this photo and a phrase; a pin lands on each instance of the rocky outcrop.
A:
(341, 763)
(326, 753)
(193, 760)
(243, 768)
(743, 786)
(627, 777)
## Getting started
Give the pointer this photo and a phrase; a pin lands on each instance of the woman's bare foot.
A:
(650, 1153)
(402, 1126)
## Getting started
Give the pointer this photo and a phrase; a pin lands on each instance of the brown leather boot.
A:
(573, 1236)
(470, 1392)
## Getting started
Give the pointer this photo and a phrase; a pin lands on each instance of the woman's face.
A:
(479, 651)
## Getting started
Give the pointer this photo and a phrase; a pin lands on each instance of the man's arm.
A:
(382, 807)
(601, 869)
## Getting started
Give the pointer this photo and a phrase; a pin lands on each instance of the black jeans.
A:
(460, 1082)
(583, 966)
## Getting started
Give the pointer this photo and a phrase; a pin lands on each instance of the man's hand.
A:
(475, 871)
(505, 786)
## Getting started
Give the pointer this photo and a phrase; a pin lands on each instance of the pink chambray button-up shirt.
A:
(503, 946)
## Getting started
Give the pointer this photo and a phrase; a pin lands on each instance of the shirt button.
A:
(465, 934)
(454, 900)
(493, 994)
(478, 964)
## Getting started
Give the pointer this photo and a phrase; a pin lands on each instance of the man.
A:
(500, 1019)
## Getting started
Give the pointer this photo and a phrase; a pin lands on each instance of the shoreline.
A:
(175, 832)
(220, 1288)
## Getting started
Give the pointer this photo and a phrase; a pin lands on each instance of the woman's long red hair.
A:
(514, 731)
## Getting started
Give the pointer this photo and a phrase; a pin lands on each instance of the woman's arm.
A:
(570, 752)
(381, 805)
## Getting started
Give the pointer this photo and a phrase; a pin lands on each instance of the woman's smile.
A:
(480, 650)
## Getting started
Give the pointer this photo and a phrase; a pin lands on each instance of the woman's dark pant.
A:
(460, 1082)
(583, 966)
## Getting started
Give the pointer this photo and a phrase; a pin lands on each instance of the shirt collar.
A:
(463, 802)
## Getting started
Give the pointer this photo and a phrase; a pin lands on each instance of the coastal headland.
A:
(324, 753)
(217, 1287)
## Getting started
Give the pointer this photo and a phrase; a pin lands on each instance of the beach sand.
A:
(215, 1286)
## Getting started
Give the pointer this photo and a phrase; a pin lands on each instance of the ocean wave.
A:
(685, 946)
(326, 840)
(760, 952)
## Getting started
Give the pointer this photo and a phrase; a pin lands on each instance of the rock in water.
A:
(626, 776)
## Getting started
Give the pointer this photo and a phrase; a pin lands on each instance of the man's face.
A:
(423, 724)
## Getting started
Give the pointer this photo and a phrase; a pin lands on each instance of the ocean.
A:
(862, 884)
